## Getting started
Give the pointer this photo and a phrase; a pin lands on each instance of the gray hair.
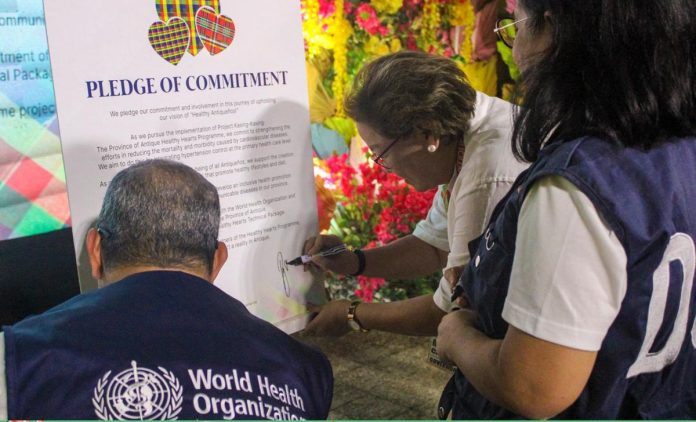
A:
(401, 93)
(159, 213)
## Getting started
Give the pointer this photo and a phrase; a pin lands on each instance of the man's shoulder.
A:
(135, 293)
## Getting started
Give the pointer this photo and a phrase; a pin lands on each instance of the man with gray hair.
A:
(159, 341)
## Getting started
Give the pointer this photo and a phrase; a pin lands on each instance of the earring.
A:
(432, 148)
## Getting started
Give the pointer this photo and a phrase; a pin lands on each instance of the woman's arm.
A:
(407, 257)
(531, 377)
(417, 316)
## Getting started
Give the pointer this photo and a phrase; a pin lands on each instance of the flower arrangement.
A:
(372, 208)
(341, 35)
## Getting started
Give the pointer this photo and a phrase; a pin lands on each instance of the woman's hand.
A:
(331, 319)
(453, 327)
(452, 275)
(345, 262)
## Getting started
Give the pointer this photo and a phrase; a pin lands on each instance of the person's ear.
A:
(219, 259)
(547, 34)
(548, 19)
(93, 244)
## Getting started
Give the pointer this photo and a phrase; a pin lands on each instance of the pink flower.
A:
(444, 37)
(366, 18)
(368, 287)
(326, 8)
(378, 208)
(411, 42)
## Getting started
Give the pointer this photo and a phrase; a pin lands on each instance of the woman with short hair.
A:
(422, 121)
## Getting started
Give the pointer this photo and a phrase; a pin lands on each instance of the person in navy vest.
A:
(160, 341)
(579, 299)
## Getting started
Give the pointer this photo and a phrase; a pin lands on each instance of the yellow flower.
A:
(341, 32)
(387, 6)
(311, 27)
(376, 47)
(459, 14)
(395, 45)
(430, 24)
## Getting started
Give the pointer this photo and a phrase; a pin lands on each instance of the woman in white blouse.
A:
(423, 122)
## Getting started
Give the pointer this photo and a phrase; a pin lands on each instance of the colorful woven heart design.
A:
(216, 31)
(186, 10)
(170, 40)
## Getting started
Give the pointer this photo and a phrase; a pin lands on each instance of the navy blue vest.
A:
(646, 367)
(161, 345)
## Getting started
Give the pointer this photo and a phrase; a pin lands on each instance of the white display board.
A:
(218, 85)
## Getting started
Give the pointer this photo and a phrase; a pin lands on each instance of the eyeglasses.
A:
(506, 30)
(379, 159)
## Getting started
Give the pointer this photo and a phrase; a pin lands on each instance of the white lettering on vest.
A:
(207, 380)
(680, 249)
(283, 394)
(203, 409)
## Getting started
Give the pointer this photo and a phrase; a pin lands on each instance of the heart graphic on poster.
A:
(170, 40)
(186, 10)
(216, 31)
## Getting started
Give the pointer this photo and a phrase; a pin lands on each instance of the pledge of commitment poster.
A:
(219, 85)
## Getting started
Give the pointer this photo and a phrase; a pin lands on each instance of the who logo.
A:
(138, 393)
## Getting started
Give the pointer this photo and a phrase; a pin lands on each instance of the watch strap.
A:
(361, 262)
(353, 320)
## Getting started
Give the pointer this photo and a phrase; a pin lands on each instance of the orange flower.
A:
(326, 203)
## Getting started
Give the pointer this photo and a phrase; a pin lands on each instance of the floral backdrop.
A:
(368, 207)
(363, 204)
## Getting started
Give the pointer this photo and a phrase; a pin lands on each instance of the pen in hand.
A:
(304, 259)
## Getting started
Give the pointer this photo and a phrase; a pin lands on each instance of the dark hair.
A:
(400, 93)
(622, 70)
(160, 213)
